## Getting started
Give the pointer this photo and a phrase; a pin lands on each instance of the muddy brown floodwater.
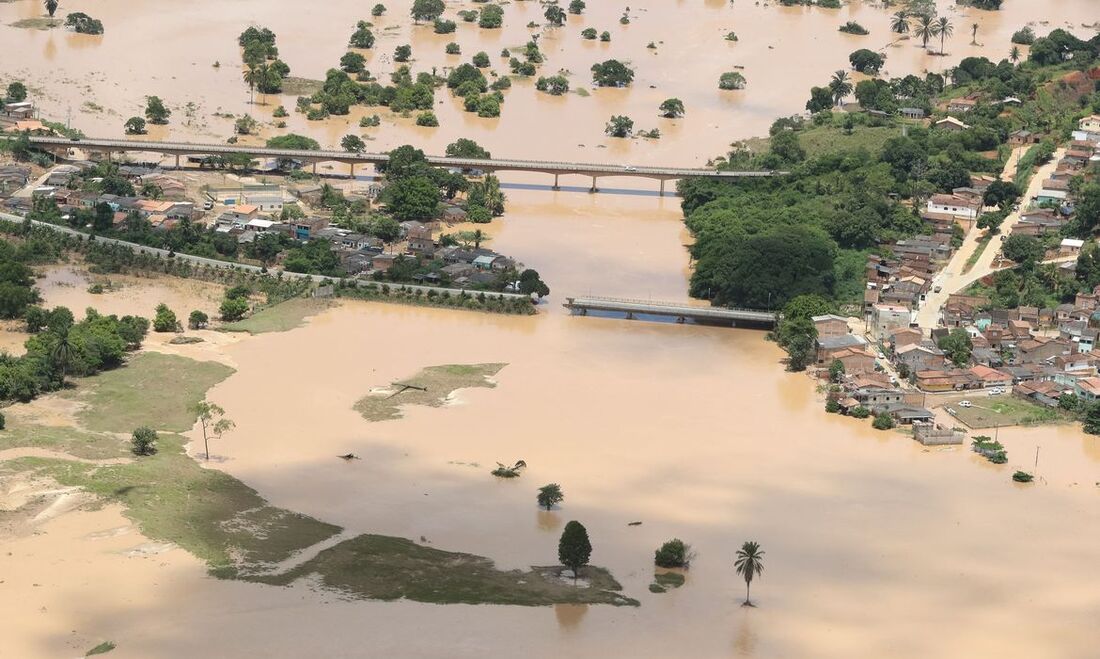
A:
(875, 547)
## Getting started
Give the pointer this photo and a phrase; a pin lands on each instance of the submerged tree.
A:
(899, 22)
(550, 495)
(749, 564)
(213, 422)
(51, 7)
(574, 548)
(925, 29)
(943, 29)
(671, 108)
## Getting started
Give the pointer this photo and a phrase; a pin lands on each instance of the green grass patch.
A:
(207, 512)
(102, 648)
(153, 390)
(669, 579)
(71, 441)
(42, 23)
(991, 411)
(281, 317)
(430, 387)
(388, 568)
(828, 138)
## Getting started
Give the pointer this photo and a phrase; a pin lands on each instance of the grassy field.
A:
(219, 519)
(153, 389)
(71, 441)
(817, 140)
(387, 568)
(281, 317)
(991, 411)
(438, 383)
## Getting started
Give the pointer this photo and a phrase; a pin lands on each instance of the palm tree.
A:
(62, 352)
(943, 29)
(925, 30)
(974, 34)
(252, 75)
(900, 22)
(840, 86)
(1014, 54)
(749, 563)
(51, 7)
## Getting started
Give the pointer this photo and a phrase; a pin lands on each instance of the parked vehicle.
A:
(965, 403)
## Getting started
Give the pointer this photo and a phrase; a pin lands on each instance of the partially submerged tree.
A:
(674, 553)
(550, 495)
(212, 420)
(619, 126)
(155, 111)
(671, 108)
(749, 564)
(51, 7)
(574, 548)
(134, 126)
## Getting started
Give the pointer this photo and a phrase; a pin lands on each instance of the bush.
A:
(673, 553)
(3, 421)
(1024, 36)
(144, 441)
(852, 27)
(883, 421)
(860, 412)
(427, 119)
(165, 319)
(731, 80)
(589, 33)
(832, 406)
(1022, 477)
(197, 320)
(233, 309)
(452, 49)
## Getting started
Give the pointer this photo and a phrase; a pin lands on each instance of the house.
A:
(951, 124)
(1051, 197)
(259, 226)
(488, 262)
(874, 398)
(1070, 247)
(991, 377)
(905, 336)
(1088, 128)
(12, 178)
(917, 357)
(240, 215)
(420, 241)
(932, 434)
(1087, 388)
(1038, 349)
(307, 228)
(939, 380)
(912, 113)
(857, 361)
(954, 205)
(829, 346)
(961, 105)
(889, 317)
(19, 110)
(452, 214)
(382, 262)
(830, 325)
(1022, 138)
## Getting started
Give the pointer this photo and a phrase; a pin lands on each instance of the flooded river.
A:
(100, 81)
(874, 546)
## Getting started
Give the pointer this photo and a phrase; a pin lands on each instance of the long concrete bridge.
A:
(680, 312)
(186, 149)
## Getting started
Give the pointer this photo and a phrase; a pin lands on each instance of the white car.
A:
(995, 392)
(965, 403)
(629, 168)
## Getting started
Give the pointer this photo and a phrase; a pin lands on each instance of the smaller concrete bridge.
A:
(680, 312)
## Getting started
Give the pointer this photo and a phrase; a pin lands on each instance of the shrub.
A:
(589, 33)
(1024, 36)
(444, 26)
(731, 80)
(860, 412)
(144, 441)
(165, 319)
(731, 36)
(852, 27)
(549, 495)
(673, 553)
(452, 49)
(3, 421)
(197, 320)
(503, 471)
(883, 421)
(427, 119)
(233, 308)
(1022, 477)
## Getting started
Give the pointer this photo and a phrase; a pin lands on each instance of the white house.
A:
(954, 205)
(1088, 128)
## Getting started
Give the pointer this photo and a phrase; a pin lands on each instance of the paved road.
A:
(243, 267)
(492, 164)
(952, 279)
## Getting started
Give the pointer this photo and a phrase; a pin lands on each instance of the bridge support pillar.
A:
(353, 171)
(315, 169)
(177, 161)
(630, 315)
(662, 187)
(556, 187)
(593, 189)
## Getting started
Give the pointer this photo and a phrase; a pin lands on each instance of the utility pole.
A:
(1037, 447)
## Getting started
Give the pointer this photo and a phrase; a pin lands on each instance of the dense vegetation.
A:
(762, 242)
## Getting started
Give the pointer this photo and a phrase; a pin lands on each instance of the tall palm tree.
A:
(840, 86)
(974, 34)
(1014, 54)
(749, 563)
(943, 29)
(62, 352)
(900, 22)
(925, 29)
(252, 75)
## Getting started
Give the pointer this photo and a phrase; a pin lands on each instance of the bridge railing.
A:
(667, 305)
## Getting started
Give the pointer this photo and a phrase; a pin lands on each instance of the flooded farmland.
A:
(876, 547)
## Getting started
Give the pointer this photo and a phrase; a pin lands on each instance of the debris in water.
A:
(348, 457)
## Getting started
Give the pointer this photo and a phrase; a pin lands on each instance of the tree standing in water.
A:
(749, 563)
(51, 7)
(212, 418)
(574, 548)
(943, 29)
(925, 29)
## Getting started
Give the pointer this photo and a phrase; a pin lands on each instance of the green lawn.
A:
(437, 382)
(153, 390)
(818, 140)
(281, 317)
(71, 441)
(992, 411)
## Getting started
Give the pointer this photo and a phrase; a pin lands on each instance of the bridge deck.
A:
(490, 164)
(669, 310)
